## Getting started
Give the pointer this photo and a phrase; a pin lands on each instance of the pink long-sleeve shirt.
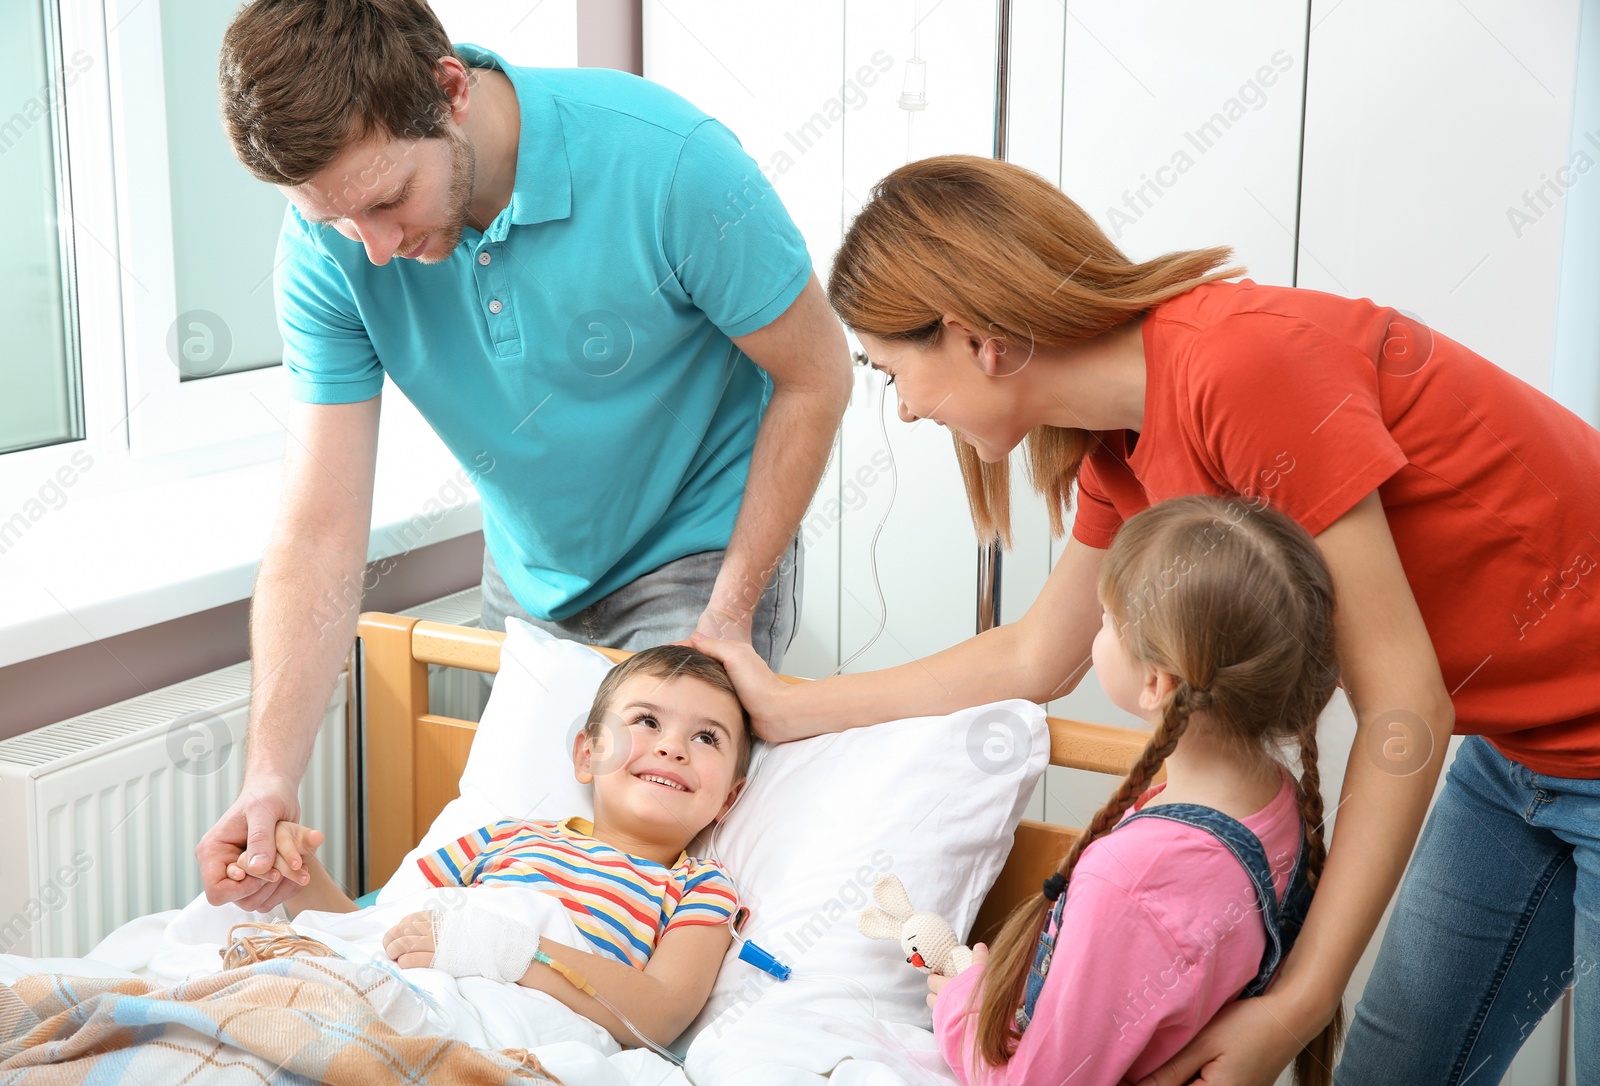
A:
(1160, 930)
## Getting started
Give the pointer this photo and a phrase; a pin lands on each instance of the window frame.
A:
(55, 122)
(88, 217)
(234, 418)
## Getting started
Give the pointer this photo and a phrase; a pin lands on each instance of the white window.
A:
(40, 375)
(128, 211)
(197, 236)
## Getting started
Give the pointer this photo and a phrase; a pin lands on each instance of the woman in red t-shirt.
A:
(1455, 505)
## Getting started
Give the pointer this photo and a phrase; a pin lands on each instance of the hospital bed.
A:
(850, 1015)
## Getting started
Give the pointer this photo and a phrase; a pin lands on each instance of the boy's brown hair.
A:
(300, 80)
(671, 662)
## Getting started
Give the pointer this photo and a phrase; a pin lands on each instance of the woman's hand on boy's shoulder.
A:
(936, 983)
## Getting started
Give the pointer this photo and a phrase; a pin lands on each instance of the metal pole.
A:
(988, 586)
(989, 554)
(1002, 76)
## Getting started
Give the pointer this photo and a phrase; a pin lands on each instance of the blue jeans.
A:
(663, 606)
(1499, 913)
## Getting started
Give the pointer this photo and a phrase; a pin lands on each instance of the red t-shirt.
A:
(1311, 401)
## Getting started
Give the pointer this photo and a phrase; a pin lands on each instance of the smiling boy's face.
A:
(665, 759)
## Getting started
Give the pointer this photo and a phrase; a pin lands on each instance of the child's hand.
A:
(936, 983)
(465, 939)
(409, 943)
(296, 847)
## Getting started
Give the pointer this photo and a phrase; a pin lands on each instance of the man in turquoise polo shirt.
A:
(589, 291)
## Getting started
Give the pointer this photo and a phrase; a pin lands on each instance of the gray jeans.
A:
(663, 606)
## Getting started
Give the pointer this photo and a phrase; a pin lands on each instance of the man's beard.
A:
(458, 200)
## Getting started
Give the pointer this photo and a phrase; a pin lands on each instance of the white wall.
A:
(1426, 123)
(927, 577)
(542, 34)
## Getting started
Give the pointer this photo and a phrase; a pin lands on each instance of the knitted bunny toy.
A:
(927, 938)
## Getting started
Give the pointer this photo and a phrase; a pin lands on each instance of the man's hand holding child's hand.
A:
(936, 983)
(297, 849)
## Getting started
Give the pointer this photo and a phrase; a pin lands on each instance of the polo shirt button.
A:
(495, 306)
(483, 258)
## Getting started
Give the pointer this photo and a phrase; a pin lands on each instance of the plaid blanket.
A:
(293, 1020)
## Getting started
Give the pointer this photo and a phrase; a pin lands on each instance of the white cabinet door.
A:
(1435, 164)
(544, 35)
(815, 95)
(776, 83)
(909, 570)
(1181, 125)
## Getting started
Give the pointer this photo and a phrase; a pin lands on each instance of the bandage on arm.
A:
(472, 941)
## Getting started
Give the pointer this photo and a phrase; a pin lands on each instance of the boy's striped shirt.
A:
(622, 904)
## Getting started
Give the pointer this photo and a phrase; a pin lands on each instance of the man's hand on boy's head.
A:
(296, 850)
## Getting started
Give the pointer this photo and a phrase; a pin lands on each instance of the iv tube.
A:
(914, 95)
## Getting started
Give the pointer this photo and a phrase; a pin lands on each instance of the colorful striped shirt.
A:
(622, 904)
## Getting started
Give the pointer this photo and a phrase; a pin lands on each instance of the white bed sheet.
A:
(169, 946)
(782, 1038)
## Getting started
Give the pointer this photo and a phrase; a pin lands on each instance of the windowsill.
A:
(122, 559)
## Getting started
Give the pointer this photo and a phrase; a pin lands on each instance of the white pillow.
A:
(520, 765)
(933, 799)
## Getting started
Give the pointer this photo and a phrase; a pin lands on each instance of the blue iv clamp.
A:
(763, 961)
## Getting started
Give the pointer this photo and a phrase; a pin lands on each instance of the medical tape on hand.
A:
(472, 941)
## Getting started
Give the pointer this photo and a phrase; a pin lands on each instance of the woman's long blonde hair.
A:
(1234, 601)
(1007, 253)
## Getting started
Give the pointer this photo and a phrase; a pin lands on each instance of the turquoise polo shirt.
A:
(576, 355)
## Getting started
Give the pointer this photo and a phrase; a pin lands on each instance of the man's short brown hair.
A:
(670, 662)
(300, 80)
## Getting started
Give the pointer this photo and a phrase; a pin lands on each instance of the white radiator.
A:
(101, 813)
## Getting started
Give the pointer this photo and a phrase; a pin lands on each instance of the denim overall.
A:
(1283, 919)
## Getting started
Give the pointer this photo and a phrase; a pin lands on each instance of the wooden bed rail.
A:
(414, 758)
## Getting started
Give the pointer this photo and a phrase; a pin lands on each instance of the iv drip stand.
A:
(989, 553)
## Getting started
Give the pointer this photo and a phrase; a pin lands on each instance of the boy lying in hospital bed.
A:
(667, 747)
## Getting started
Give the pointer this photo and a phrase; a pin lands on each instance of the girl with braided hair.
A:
(1218, 630)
